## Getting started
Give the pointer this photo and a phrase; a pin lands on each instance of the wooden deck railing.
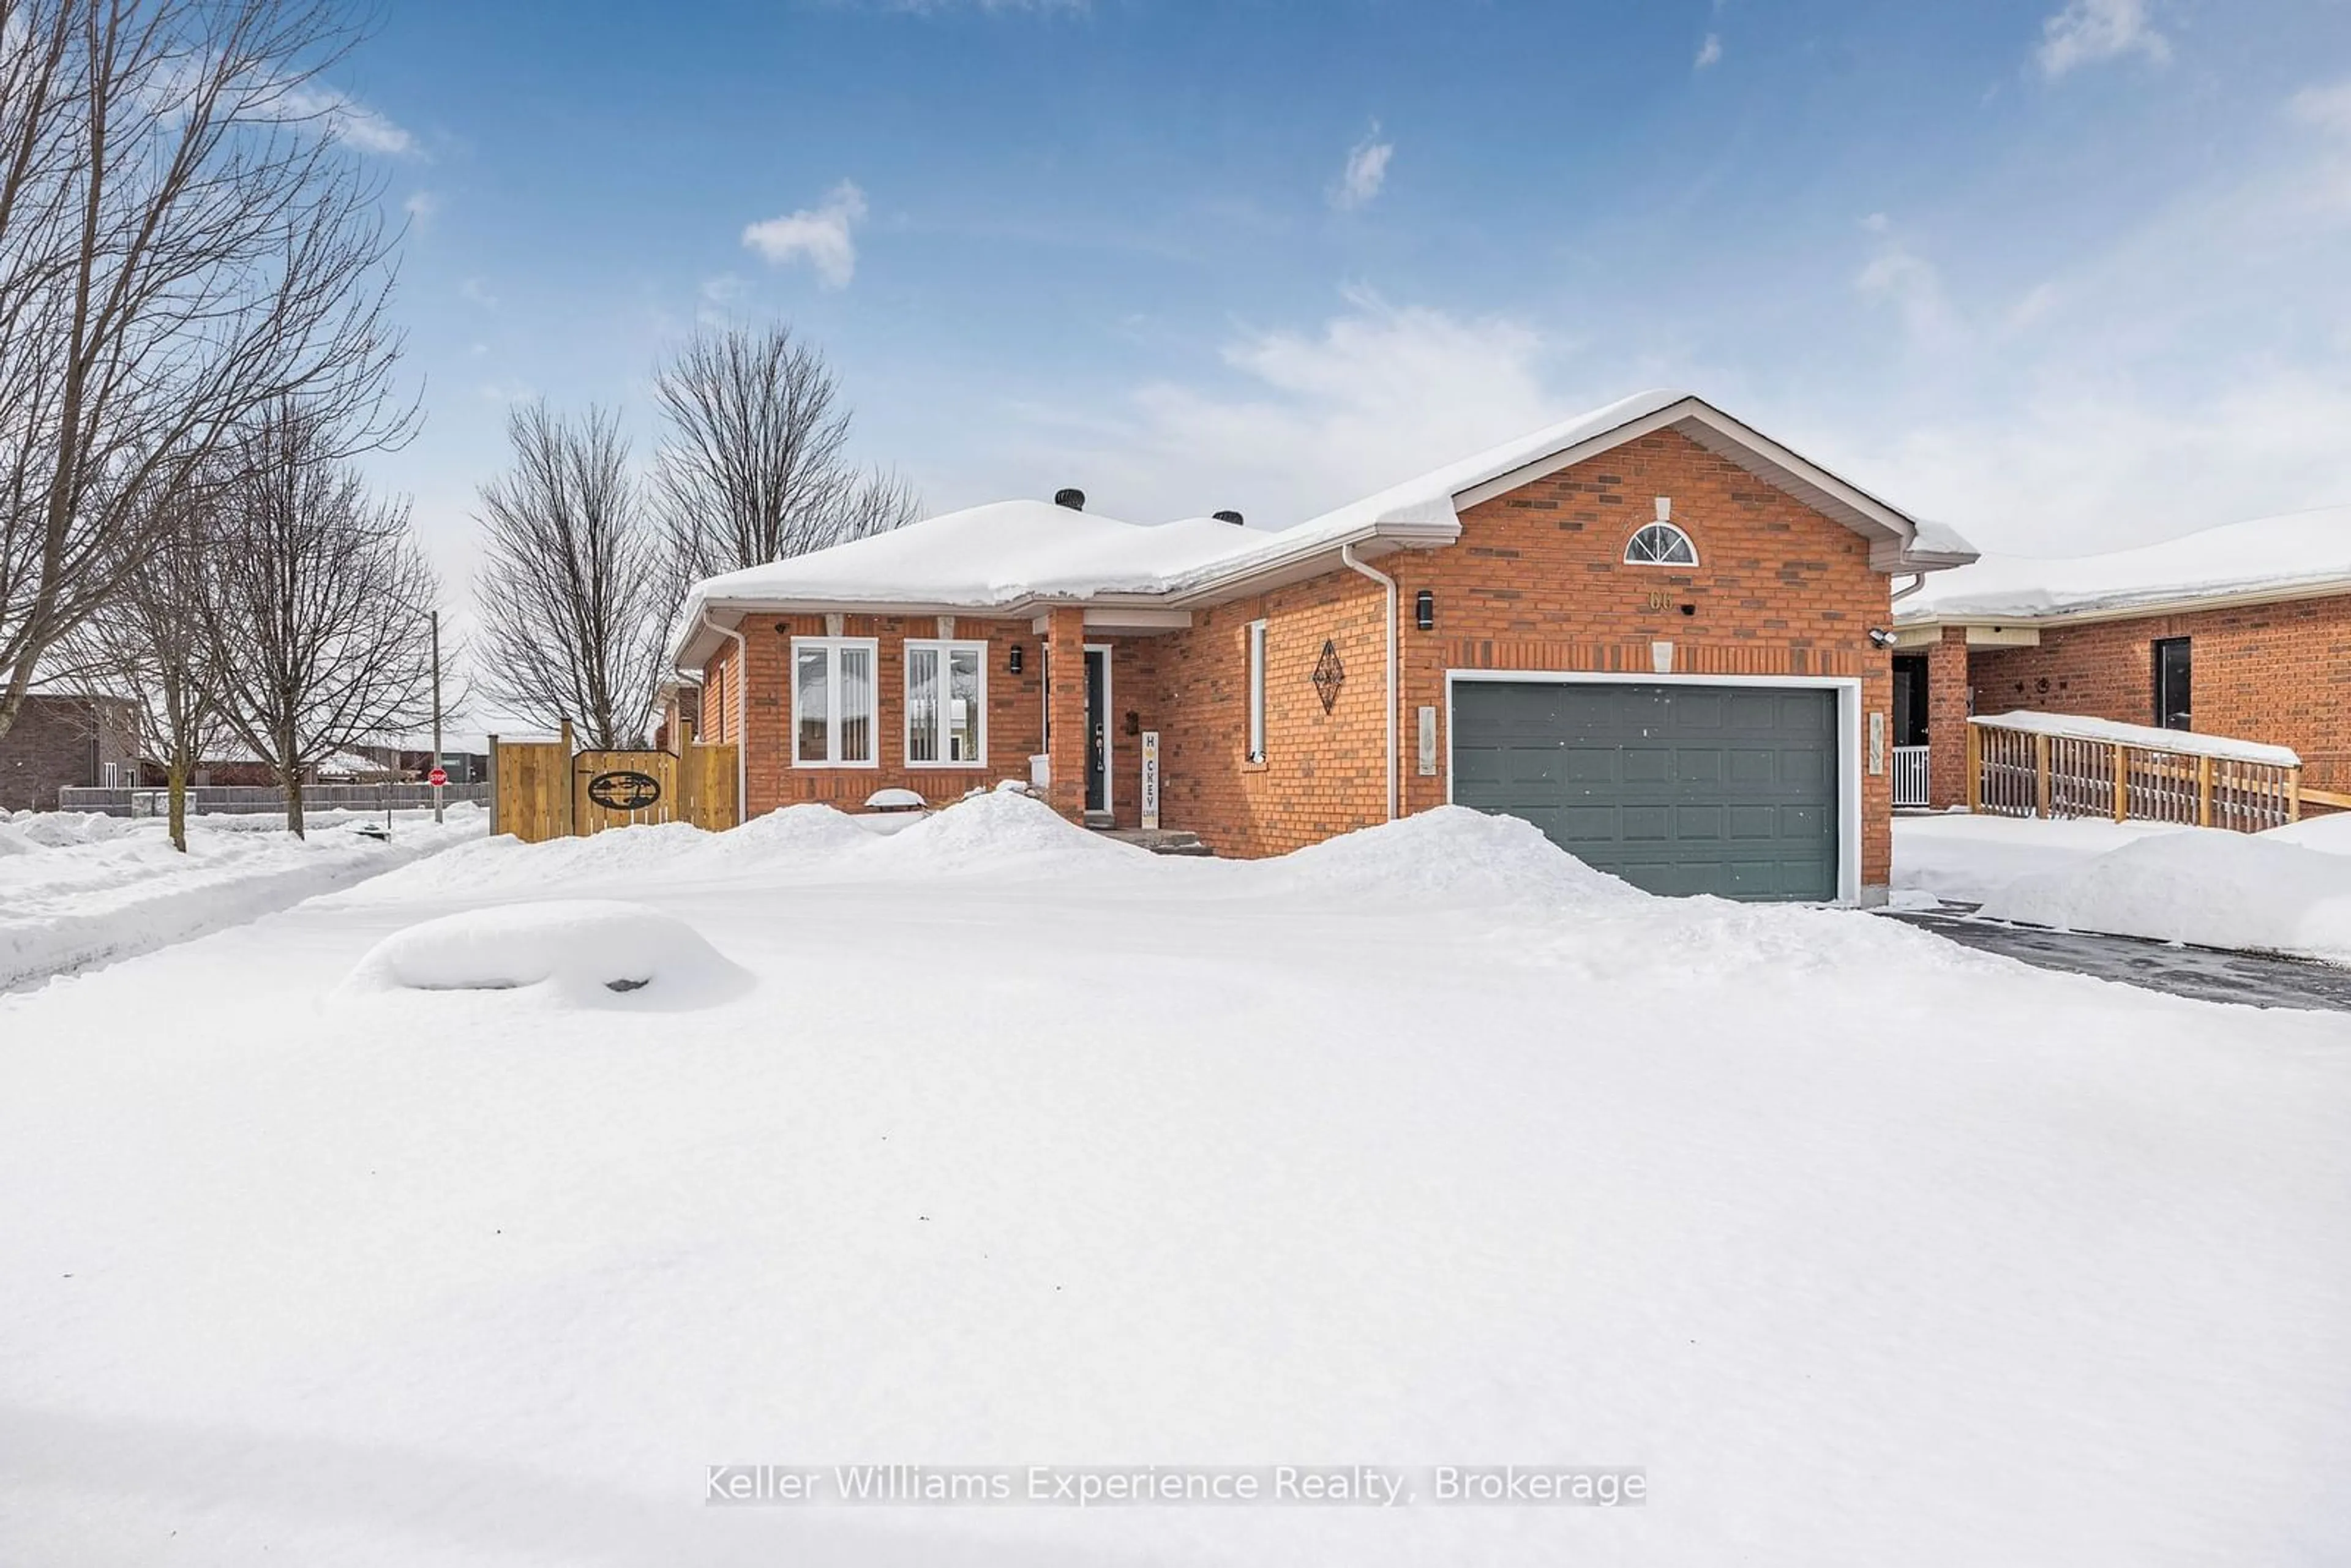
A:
(2015, 771)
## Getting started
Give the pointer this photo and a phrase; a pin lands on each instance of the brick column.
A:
(1065, 699)
(1947, 719)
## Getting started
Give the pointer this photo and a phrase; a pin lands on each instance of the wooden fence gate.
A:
(543, 789)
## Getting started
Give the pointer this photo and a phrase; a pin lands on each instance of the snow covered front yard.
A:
(78, 887)
(996, 1144)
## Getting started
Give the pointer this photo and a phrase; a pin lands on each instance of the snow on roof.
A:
(1008, 555)
(986, 557)
(2282, 554)
(2145, 737)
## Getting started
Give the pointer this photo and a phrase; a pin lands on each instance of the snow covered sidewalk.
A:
(993, 1143)
(78, 888)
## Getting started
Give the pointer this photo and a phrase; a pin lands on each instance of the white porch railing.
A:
(1909, 775)
(2057, 765)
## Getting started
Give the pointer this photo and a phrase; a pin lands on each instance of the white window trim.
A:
(1848, 694)
(1670, 527)
(1256, 684)
(832, 647)
(942, 646)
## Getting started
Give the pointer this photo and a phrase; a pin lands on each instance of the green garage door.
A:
(1676, 788)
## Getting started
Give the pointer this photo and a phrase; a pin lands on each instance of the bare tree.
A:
(185, 240)
(754, 467)
(149, 646)
(318, 618)
(571, 594)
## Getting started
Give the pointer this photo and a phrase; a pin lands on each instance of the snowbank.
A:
(1957, 858)
(576, 951)
(2329, 835)
(1448, 855)
(1000, 830)
(2211, 888)
(77, 888)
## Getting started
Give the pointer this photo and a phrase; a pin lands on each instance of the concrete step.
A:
(1159, 841)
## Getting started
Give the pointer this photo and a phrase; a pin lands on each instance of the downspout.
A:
(742, 744)
(1917, 582)
(1347, 554)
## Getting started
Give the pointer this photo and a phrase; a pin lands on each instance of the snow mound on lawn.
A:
(576, 951)
(808, 833)
(27, 831)
(999, 830)
(1450, 854)
(2330, 835)
(2215, 890)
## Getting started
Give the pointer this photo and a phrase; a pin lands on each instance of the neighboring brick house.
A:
(1652, 631)
(2242, 631)
(62, 741)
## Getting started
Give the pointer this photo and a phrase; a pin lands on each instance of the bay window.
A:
(833, 702)
(947, 704)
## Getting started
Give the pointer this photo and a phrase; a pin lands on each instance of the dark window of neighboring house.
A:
(2173, 709)
(1909, 699)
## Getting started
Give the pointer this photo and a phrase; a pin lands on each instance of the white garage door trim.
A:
(1848, 691)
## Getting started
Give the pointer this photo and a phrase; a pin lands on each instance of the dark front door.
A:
(1909, 699)
(1097, 738)
(2172, 708)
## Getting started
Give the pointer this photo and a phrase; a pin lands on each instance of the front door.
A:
(1097, 734)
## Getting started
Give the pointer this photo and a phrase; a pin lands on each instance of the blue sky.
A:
(2066, 273)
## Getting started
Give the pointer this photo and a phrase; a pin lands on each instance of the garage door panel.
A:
(1679, 789)
(1646, 823)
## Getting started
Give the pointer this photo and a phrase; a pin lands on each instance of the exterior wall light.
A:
(1423, 609)
(1013, 664)
(1879, 637)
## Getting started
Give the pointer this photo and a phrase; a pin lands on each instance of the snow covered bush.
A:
(573, 952)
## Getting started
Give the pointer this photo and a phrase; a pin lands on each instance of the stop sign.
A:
(437, 778)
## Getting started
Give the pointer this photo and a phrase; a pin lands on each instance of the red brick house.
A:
(1652, 631)
(2242, 631)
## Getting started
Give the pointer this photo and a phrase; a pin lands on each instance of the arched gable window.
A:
(1660, 544)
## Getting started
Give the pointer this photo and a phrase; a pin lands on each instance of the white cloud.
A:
(1314, 418)
(348, 121)
(823, 236)
(1366, 172)
(1709, 53)
(422, 207)
(2327, 107)
(1914, 286)
(2088, 31)
(473, 291)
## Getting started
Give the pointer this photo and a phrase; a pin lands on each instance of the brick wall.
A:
(59, 742)
(2274, 673)
(1947, 719)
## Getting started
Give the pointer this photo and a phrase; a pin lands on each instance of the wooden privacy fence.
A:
(544, 790)
(2032, 764)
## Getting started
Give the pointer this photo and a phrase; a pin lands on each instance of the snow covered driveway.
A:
(1426, 1147)
(78, 888)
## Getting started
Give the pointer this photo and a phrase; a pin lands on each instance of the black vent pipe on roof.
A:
(1074, 499)
(1232, 517)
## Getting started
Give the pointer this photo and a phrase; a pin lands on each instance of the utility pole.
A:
(437, 714)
